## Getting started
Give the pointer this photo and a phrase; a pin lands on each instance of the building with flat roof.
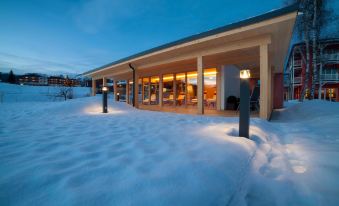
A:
(198, 74)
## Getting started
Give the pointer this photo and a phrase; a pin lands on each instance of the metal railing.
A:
(297, 63)
(330, 77)
(297, 80)
(331, 57)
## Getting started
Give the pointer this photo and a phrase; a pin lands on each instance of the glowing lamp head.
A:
(245, 74)
(104, 89)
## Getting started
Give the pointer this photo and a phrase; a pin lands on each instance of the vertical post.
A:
(136, 89)
(160, 90)
(218, 102)
(104, 81)
(320, 75)
(94, 87)
(200, 82)
(127, 92)
(186, 84)
(115, 88)
(175, 90)
(104, 99)
(149, 90)
(244, 108)
(264, 87)
(292, 75)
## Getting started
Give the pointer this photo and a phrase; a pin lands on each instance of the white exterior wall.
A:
(230, 83)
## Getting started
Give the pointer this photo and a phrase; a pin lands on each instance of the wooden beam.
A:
(200, 84)
(264, 82)
(231, 46)
(115, 88)
(127, 91)
(94, 87)
(160, 90)
(136, 89)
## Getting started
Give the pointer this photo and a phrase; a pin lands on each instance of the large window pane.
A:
(145, 92)
(140, 90)
(154, 90)
(181, 89)
(168, 96)
(130, 92)
(121, 90)
(210, 88)
(192, 88)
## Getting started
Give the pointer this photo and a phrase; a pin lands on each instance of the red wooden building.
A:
(327, 81)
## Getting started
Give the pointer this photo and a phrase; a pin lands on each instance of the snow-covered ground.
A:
(25, 93)
(69, 153)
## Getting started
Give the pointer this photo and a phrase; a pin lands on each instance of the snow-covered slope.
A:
(25, 93)
(297, 158)
(69, 153)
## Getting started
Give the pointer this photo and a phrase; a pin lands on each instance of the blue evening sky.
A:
(73, 36)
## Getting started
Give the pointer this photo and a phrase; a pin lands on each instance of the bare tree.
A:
(314, 17)
(65, 92)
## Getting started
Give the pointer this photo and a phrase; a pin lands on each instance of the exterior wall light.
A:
(244, 108)
(104, 99)
(245, 74)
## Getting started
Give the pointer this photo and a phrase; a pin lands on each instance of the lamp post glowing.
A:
(104, 99)
(244, 117)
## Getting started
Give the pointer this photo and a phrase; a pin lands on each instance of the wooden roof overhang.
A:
(238, 45)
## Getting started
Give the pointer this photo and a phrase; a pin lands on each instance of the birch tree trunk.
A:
(314, 49)
(307, 72)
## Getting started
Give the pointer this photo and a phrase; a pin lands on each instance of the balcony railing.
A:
(297, 80)
(331, 57)
(330, 77)
(297, 63)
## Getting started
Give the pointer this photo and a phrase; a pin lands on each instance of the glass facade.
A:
(179, 89)
(130, 92)
(121, 90)
(210, 88)
(192, 88)
(180, 82)
(140, 90)
(145, 90)
(168, 90)
(154, 90)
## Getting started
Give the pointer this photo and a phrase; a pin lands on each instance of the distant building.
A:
(61, 81)
(33, 79)
(56, 81)
(327, 83)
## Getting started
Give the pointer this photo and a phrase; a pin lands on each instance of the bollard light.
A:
(244, 108)
(118, 96)
(104, 99)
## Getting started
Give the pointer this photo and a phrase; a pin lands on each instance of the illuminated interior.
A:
(145, 90)
(210, 88)
(180, 91)
(154, 100)
(180, 82)
(168, 90)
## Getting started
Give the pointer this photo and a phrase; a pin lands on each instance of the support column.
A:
(115, 88)
(94, 87)
(264, 82)
(136, 90)
(175, 93)
(160, 90)
(127, 91)
(104, 82)
(218, 102)
(200, 82)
